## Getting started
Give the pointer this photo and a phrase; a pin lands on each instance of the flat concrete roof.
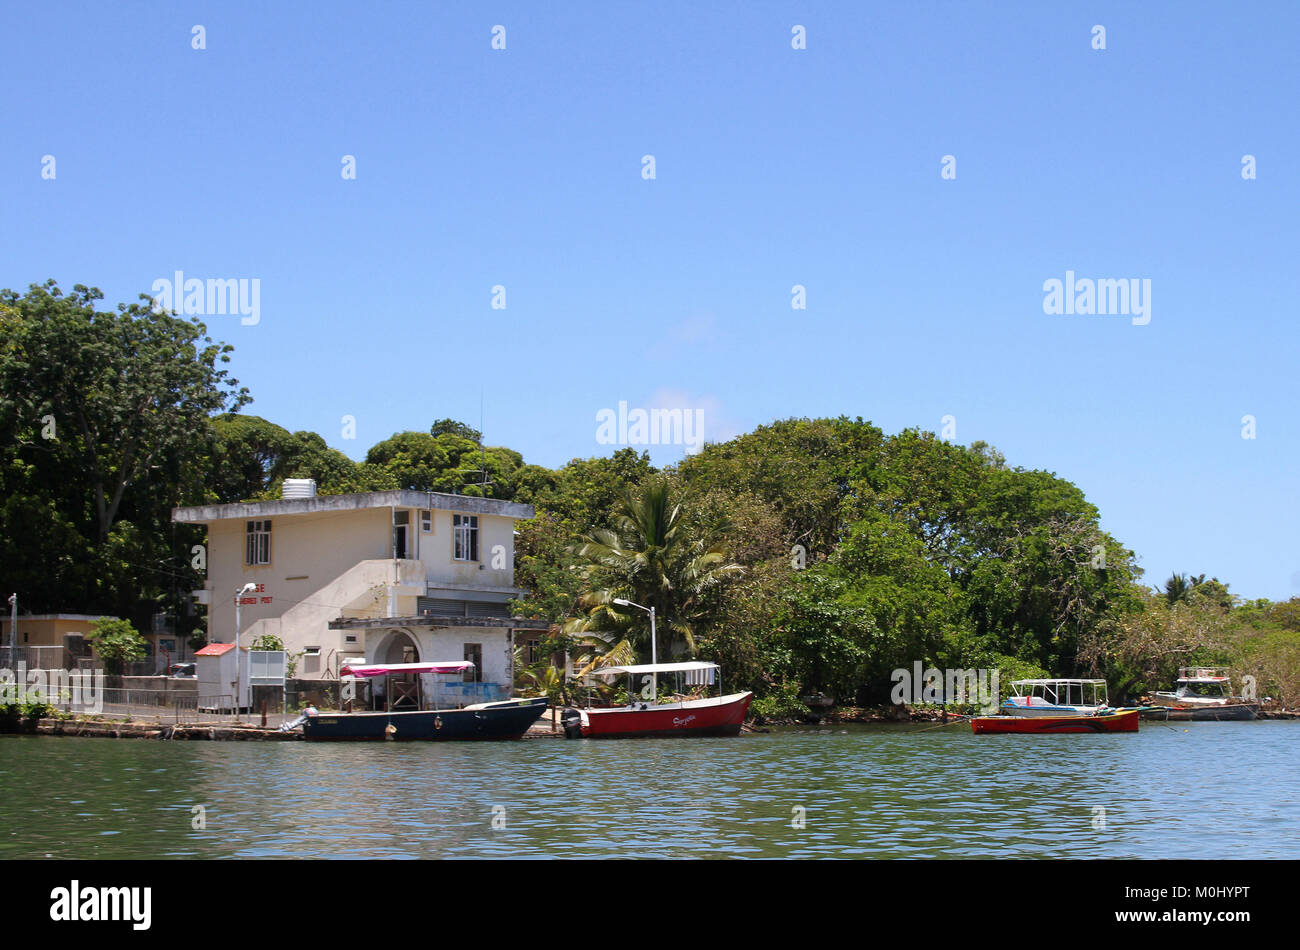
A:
(21, 617)
(370, 623)
(316, 504)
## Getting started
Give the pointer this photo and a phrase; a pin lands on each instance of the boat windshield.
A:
(1206, 690)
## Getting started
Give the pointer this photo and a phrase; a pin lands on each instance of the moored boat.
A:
(405, 716)
(722, 715)
(1057, 698)
(1115, 720)
(1202, 694)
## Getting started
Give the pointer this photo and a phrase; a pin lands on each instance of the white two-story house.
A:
(379, 577)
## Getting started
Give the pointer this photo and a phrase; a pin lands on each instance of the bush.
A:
(781, 703)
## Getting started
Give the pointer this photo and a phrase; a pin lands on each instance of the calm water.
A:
(1190, 790)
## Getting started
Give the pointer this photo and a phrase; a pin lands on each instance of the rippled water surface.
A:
(1193, 790)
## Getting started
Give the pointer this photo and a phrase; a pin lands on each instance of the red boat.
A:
(713, 716)
(1119, 720)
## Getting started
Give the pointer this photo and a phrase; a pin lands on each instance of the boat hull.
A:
(701, 717)
(1230, 712)
(1120, 721)
(505, 720)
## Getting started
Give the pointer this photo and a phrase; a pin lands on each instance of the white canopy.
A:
(694, 666)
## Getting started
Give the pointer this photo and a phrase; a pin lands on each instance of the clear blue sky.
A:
(774, 167)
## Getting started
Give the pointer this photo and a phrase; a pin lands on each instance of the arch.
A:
(398, 646)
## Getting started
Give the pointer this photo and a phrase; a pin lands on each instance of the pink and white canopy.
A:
(454, 666)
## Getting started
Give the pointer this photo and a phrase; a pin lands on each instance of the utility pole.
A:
(239, 669)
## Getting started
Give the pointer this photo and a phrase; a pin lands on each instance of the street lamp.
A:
(239, 670)
(13, 631)
(654, 647)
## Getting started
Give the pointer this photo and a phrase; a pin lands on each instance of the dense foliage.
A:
(807, 555)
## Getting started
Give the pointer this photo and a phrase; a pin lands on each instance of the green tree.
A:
(449, 459)
(1180, 586)
(101, 422)
(652, 558)
(121, 388)
(117, 642)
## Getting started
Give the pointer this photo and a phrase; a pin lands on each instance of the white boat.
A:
(1201, 693)
(1199, 686)
(1057, 697)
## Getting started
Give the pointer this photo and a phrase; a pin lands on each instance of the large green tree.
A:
(114, 391)
(102, 415)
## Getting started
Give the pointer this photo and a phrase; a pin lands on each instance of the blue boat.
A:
(404, 717)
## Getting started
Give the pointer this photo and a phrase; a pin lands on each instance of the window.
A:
(426, 522)
(465, 537)
(474, 653)
(257, 550)
(401, 520)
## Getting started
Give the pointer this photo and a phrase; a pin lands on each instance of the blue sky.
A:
(774, 167)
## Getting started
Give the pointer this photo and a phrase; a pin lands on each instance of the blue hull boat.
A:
(503, 720)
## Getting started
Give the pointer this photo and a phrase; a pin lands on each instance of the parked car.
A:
(182, 670)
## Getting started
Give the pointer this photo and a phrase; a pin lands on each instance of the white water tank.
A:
(298, 488)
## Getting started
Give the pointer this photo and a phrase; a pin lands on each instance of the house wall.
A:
(445, 644)
(327, 564)
(307, 552)
(45, 632)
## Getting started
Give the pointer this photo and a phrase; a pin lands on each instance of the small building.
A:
(375, 577)
(49, 641)
(219, 680)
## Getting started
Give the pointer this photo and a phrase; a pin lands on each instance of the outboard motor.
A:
(290, 726)
(572, 721)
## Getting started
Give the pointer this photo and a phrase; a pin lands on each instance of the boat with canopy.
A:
(1202, 694)
(1058, 705)
(1057, 697)
(406, 708)
(688, 711)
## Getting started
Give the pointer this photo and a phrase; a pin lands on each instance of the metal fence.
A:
(159, 705)
(39, 658)
(61, 658)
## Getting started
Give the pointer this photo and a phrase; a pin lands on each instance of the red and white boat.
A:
(1113, 720)
(685, 715)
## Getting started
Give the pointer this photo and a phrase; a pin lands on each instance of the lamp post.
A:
(654, 647)
(239, 670)
(13, 631)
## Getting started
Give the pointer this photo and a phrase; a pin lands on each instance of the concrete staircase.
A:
(367, 589)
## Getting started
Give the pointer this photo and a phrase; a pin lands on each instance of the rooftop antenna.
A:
(482, 452)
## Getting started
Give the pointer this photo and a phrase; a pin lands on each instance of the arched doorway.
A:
(400, 690)
(398, 647)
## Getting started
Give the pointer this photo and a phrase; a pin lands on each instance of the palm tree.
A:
(1180, 586)
(651, 557)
